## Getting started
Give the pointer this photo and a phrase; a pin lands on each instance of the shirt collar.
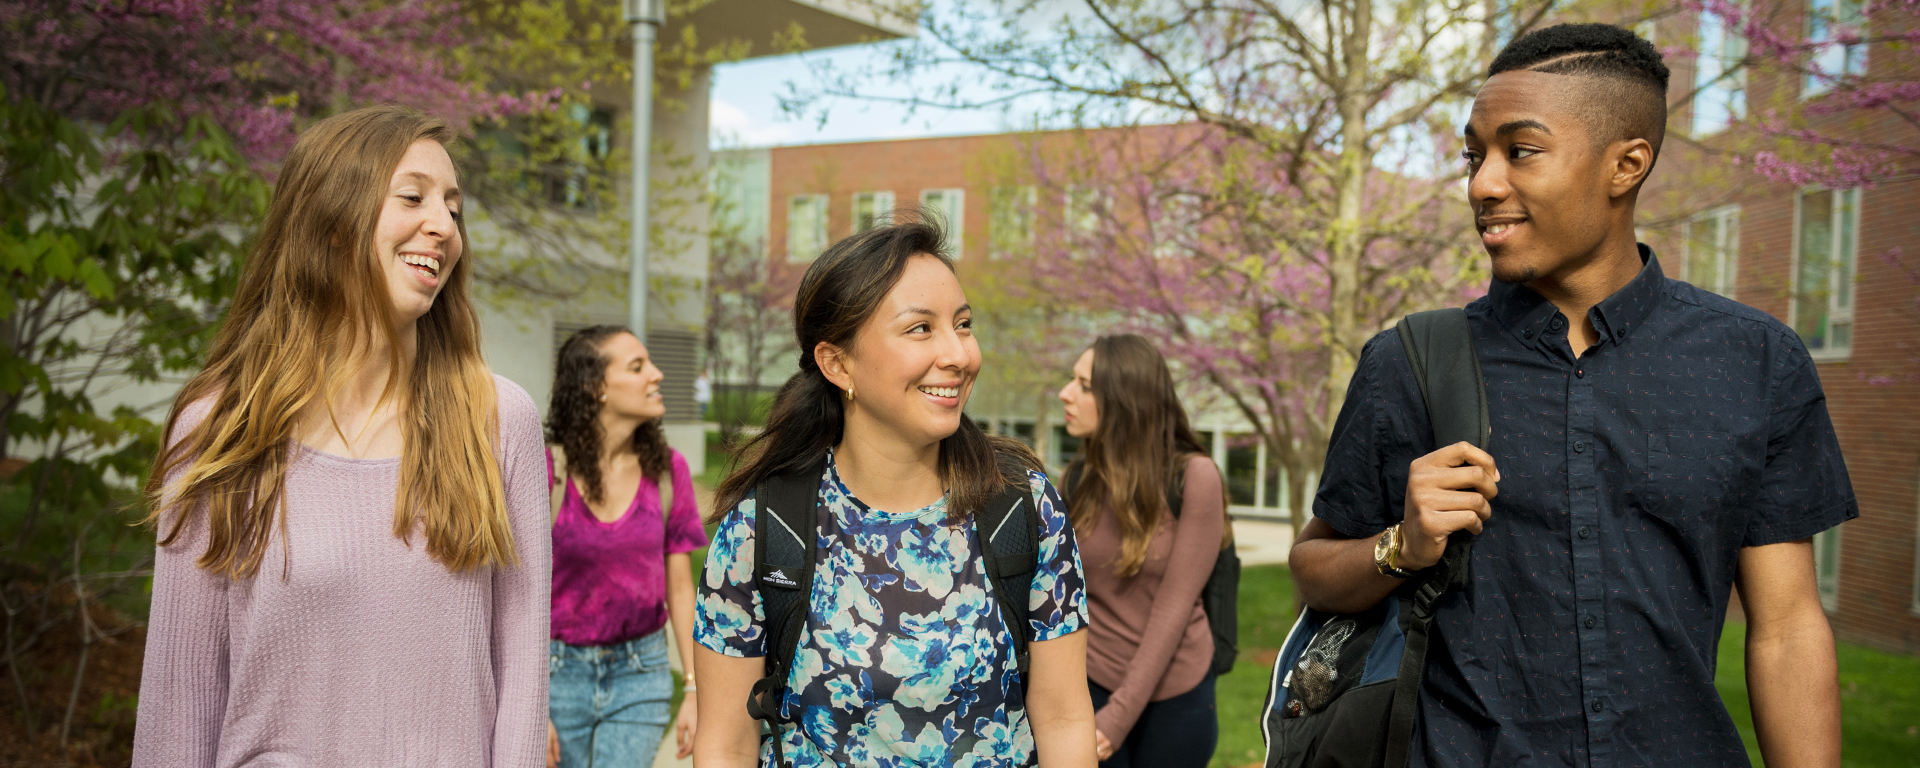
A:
(1530, 316)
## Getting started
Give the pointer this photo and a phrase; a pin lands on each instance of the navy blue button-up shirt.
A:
(1631, 477)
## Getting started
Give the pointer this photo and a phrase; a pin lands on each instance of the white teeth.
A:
(422, 261)
(1499, 228)
(942, 391)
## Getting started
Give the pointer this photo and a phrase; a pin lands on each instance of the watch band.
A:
(1386, 551)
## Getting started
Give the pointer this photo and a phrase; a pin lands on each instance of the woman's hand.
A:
(553, 746)
(1102, 748)
(685, 723)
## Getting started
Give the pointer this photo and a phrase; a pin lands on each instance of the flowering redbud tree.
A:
(137, 138)
(1844, 105)
(1200, 240)
(1327, 173)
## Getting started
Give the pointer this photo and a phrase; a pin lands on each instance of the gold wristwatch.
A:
(1386, 550)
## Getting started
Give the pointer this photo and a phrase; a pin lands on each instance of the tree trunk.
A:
(1346, 241)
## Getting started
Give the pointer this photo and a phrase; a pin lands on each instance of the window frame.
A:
(1828, 352)
(881, 202)
(794, 248)
(1915, 607)
(1812, 86)
(1004, 207)
(1734, 84)
(955, 215)
(1728, 268)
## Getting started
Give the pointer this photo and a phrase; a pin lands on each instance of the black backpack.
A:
(1220, 597)
(1346, 687)
(788, 506)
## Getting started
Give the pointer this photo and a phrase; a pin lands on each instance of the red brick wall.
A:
(904, 167)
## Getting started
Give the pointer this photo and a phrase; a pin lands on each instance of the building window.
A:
(1176, 226)
(1713, 250)
(1827, 21)
(806, 227)
(1719, 80)
(949, 206)
(871, 209)
(1916, 560)
(1824, 251)
(1826, 567)
(1084, 206)
(1010, 220)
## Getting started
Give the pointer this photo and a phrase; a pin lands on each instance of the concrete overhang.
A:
(822, 23)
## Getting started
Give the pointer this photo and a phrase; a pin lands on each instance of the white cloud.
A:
(730, 126)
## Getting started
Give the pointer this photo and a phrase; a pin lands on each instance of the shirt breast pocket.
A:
(1690, 474)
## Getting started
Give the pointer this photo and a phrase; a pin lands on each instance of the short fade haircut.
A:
(1627, 90)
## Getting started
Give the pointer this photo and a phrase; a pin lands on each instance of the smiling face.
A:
(417, 241)
(1076, 398)
(632, 382)
(1545, 196)
(912, 365)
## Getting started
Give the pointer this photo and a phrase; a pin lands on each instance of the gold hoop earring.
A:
(849, 394)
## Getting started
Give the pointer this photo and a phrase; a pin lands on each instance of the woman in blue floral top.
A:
(906, 658)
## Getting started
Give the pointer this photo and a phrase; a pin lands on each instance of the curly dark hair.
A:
(573, 413)
(1626, 74)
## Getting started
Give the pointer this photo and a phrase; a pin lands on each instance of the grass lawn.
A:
(1880, 693)
(1879, 703)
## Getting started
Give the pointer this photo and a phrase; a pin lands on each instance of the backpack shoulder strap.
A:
(784, 531)
(1446, 363)
(557, 485)
(1177, 490)
(1009, 532)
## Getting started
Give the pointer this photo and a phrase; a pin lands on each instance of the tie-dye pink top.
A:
(610, 579)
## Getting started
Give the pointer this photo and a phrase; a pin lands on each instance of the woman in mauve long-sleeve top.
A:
(353, 560)
(1150, 655)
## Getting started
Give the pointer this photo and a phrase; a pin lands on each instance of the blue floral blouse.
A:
(906, 659)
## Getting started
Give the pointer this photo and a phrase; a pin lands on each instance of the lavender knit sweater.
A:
(368, 652)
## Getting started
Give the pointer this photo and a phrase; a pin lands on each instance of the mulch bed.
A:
(102, 731)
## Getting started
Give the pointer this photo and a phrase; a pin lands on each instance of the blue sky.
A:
(745, 109)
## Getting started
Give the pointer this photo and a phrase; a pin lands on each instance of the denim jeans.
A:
(1180, 732)
(610, 703)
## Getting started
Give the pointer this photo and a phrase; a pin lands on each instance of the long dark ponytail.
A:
(1138, 451)
(839, 293)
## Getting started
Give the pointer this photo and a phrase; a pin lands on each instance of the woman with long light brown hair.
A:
(353, 556)
(1150, 656)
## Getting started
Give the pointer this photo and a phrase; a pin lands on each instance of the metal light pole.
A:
(644, 16)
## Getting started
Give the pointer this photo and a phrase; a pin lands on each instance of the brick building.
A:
(797, 200)
(1828, 262)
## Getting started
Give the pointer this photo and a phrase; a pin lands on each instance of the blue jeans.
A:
(1180, 732)
(610, 703)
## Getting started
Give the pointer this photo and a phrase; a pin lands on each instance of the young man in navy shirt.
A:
(1654, 446)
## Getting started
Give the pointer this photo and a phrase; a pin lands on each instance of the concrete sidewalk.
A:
(1262, 542)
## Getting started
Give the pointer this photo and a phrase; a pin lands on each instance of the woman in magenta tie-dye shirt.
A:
(621, 571)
